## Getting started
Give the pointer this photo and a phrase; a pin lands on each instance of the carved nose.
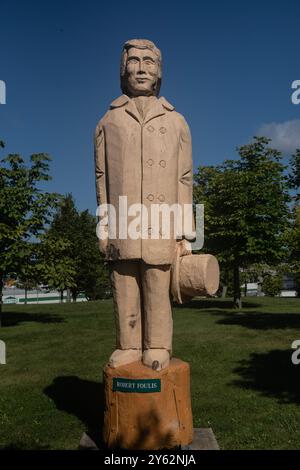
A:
(141, 67)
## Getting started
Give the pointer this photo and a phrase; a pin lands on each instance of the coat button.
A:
(150, 197)
(162, 130)
(150, 128)
(150, 162)
(161, 198)
(162, 163)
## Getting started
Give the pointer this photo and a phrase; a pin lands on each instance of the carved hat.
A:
(194, 275)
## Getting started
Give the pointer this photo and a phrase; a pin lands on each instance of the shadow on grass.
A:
(15, 318)
(81, 398)
(215, 303)
(272, 374)
(260, 320)
(18, 445)
(85, 400)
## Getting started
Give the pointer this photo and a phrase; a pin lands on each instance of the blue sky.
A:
(227, 67)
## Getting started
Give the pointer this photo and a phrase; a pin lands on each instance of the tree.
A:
(246, 208)
(272, 285)
(293, 242)
(257, 272)
(294, 178)
(24, 208)
(92, 274)
(28, 275)
(293, 232)
(56, 268)
(79, 229)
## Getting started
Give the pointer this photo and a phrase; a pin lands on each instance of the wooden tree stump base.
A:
(145, 409)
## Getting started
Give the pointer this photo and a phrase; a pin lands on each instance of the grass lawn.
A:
(244, 385)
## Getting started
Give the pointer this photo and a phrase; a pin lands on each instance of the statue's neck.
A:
(143, 103)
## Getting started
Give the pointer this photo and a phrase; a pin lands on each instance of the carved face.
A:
(141, 71)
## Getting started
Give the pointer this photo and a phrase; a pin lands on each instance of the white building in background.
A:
(288, 288)
(17, 296)
(252, 289)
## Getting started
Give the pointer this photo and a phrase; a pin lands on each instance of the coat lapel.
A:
(156, 109)
(130, 107)
(132, 110)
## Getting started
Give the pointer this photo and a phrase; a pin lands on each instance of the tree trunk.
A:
(1, 297)
(26, 291)
(74, 294)
(68, 295)
(224, 291)
(61, 296)
(259, 284)
(237, 287)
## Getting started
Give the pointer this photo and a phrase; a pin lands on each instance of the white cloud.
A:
(285, 135)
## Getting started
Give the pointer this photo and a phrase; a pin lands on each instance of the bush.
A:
(272, 285)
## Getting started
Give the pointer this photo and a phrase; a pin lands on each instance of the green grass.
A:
(243, 383)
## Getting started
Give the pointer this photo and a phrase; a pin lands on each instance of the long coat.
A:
(150, 162)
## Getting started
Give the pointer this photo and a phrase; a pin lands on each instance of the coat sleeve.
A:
(100, 170)
(100, 173)
(185, 181)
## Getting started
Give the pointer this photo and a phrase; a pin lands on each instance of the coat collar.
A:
(158, 108)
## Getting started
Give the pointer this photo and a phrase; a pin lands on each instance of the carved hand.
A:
(183, 247)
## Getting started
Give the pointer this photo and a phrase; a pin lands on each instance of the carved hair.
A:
(139, 44)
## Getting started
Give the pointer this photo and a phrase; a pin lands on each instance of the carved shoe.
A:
(120, 357)
(157, 359)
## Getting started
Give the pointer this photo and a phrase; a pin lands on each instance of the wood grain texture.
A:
(149, 420)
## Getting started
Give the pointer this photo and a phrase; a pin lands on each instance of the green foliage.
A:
(294, 178)
(24, 208)
(55, 267)
(272, 285)
(246, 207)
(79, 229)
(293, 243)
(293, 231)
(27, 276)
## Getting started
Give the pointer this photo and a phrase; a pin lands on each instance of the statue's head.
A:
(140, 68)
